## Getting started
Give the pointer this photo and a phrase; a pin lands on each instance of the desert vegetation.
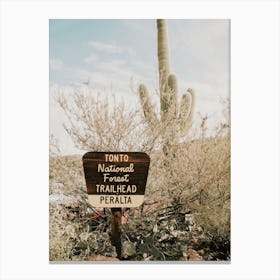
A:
(187, 204)
(186, 212)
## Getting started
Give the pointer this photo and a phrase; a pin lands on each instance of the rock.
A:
(129, 248)
(201, 252)
(101, 258)
(194, 241)
(193, 255)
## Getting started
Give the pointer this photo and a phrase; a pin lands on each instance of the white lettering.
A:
(116, 157)
(117, 189)
(101, 167)
(117, 179)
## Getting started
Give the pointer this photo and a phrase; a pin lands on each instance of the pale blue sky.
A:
(111, 52)
(95, 48)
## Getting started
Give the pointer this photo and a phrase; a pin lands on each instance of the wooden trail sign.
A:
(116, 179)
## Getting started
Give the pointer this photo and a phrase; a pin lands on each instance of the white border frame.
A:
(255, 138)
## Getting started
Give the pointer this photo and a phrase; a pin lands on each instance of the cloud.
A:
(201, 47)
(91, 58)
(56, 64)
(111, 48)
(112, 65)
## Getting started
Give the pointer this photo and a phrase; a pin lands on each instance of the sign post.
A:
(116, 180)
(116, 230)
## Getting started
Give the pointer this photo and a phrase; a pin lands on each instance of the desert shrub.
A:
(98, 124)
(193, 180)
(76, 230)
(163, 234)
(72, 239)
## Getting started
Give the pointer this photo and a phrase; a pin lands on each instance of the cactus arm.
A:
(172, 95)
(186, 110)
(148, 108)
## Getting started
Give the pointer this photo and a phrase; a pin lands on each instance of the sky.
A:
(110, 53)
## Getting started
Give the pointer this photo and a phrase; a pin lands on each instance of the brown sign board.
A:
(116, 179)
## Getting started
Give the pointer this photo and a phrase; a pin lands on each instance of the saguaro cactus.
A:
(174, 122)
